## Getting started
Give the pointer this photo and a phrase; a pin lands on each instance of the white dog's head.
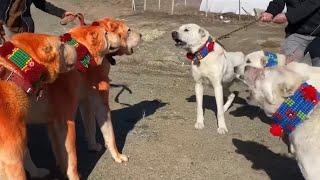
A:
(270, 87)
(258, 59)
(190, 37)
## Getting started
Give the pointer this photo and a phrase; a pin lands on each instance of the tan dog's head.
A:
(97, 40)
(270, 87)
(190, 37)
(47, 50)
(129, 39)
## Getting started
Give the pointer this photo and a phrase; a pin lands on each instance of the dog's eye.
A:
(248, 61)
(129, 30)
(186, 30)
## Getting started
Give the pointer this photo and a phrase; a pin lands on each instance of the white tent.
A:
(227, 6)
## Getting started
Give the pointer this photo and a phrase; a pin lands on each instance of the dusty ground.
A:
(157, 129)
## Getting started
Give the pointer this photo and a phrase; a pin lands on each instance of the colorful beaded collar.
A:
(272, 59)
(29, 74)
(295, 110)
(203, 52)
(84, 58)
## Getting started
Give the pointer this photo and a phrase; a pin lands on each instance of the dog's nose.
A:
(174, 35)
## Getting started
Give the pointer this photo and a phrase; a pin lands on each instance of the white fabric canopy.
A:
(227, 6)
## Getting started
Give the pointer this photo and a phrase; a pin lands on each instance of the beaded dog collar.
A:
(29, 73)
(84, 58)
(272, 59)
(203, 52)
(295, 110)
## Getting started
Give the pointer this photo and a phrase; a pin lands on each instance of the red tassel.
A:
(95, 23)
(276, 130)
(211, 46)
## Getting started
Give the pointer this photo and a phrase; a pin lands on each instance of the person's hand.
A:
(266, 17)
(280, 19)
(68, 17)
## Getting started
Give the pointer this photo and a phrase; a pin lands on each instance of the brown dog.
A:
(58, 106)
(100, 108)
(27, 62)
(86, 89)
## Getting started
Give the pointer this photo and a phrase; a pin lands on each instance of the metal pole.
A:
(159, 4)
(172, 8)
(133, 6)
(185, 3)
(239, 10)
(145, 5)
(207, 8)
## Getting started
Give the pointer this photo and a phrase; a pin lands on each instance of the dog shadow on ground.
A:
(276, 166)
(209, 102)
(124, 121)
(251, 112)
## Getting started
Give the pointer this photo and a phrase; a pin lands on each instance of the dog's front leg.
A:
(103, 116)
(199, 98)
(89, 122)
(218, 92)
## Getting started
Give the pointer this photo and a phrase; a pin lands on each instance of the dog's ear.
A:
(202, 32)
(288, 87)
(286, 90)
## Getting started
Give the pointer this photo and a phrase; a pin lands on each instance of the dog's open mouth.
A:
(179, 43)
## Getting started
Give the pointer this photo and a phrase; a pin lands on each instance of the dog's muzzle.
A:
(175, 37)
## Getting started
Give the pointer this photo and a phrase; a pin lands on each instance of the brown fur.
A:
(14, 102)
(63, 97)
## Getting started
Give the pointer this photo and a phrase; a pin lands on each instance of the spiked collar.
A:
(272, 59)
(25, 71)
(202, 52)
(84, 58)
(295, 110)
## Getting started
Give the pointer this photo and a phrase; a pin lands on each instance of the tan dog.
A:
(26, 61)
(58, 106)
(99, 108)
(86, 90)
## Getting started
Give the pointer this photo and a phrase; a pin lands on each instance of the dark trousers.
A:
(314, 50)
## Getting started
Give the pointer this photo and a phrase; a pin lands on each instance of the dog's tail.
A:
(124, 87)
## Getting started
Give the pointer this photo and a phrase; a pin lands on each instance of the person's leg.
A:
(314, 50)
(294, 47)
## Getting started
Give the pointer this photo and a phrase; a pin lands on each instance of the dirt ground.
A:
(155, 124)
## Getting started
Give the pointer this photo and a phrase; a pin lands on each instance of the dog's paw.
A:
(121, 158)
(40, 173)
(199, 125)
(95, 148)
(222, 130)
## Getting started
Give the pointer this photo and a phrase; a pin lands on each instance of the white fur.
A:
(217, 66)
(269, 91)
(257, 59)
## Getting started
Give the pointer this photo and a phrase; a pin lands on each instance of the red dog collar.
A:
(84, 58)
(31, 74)
(203, 52)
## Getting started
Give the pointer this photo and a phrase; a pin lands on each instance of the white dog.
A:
(261, 59)
(209, 60)
(275, 90)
